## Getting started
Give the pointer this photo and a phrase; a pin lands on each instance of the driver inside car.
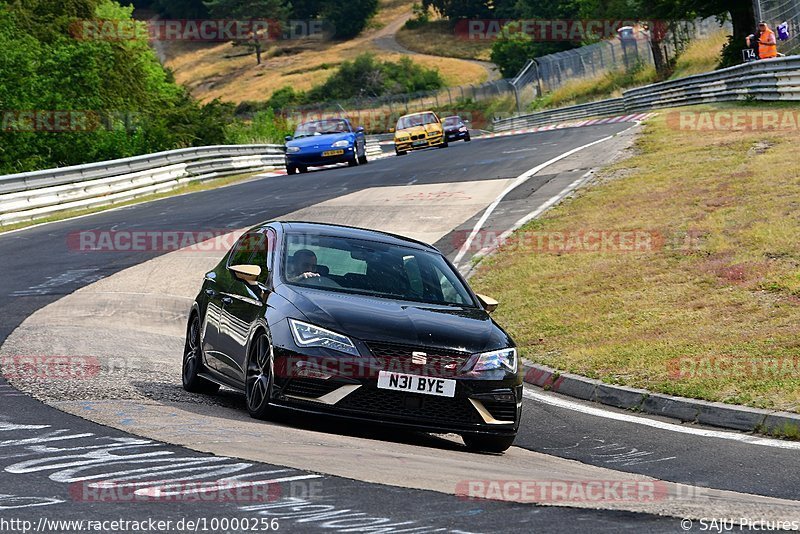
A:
(302, 265)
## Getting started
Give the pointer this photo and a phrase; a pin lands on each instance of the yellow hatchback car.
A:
(418, 130)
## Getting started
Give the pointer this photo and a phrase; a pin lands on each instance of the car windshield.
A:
(451, 121)
(328, 126)
(410, 121)
(372, 268)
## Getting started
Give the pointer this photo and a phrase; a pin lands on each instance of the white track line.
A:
(522, 178)
(748, 439)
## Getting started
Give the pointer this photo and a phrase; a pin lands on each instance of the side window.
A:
(254, 248)
(243, 249)
(263, 251)
(448, 289)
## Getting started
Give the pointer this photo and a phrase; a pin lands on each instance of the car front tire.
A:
(193, 361)
(467, 138)
(291, 169)
(493, 444)
(258, 377)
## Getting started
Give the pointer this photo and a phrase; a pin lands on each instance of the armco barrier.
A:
(765, 80)
(33, 195)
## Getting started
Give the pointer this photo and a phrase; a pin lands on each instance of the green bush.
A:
(367, 76)
(264, 127)
(132, 103)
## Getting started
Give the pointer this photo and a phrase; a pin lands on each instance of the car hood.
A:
(321, 140)
(426, 129)
(395, 321)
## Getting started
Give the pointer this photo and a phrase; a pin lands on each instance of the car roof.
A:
(339, 230)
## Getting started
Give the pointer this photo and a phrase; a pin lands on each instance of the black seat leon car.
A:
(354, 323)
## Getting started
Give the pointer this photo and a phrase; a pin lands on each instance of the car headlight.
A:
(462, 129)
(308, 335)
(341, 144)
(403, 139)
(292, 149)
(497, 359)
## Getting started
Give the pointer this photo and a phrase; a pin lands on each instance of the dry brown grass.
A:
(724, 287)
(438, 38)
(211, 70)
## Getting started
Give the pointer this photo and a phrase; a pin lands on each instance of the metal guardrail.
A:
(33, 195)
(765, 80)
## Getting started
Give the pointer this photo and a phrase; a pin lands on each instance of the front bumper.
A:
(456, 135)
(316, 159)
(417, 144)
(485, 404)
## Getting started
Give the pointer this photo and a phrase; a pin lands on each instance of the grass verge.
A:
(189, 188)
(709, 310)
(701, 55)
(437, 38)
(219, 70)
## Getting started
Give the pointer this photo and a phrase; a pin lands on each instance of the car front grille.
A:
(439, 363)
(312, 388)
(420, 408)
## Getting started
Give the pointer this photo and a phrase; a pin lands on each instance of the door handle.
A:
(227, 300)
(210, 292)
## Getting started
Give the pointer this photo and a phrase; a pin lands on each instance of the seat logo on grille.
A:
(419, 358)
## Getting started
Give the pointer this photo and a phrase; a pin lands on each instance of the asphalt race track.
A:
(133, 420)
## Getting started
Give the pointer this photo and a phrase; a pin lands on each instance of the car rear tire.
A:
(494, 444)
(258, 377)
(303, 169)
(193, 361)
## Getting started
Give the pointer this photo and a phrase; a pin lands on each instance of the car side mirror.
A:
(391, 130)
(288, 138)
(360, 129)
(246, 273)
(488, 303)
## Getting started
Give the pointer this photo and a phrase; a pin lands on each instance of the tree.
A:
(348, 17)
(274, 11)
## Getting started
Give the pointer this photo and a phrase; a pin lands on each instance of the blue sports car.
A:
(325, 142)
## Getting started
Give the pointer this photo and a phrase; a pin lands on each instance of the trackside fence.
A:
(765, 80)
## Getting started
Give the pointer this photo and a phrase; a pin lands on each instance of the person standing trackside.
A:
(767, 44)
